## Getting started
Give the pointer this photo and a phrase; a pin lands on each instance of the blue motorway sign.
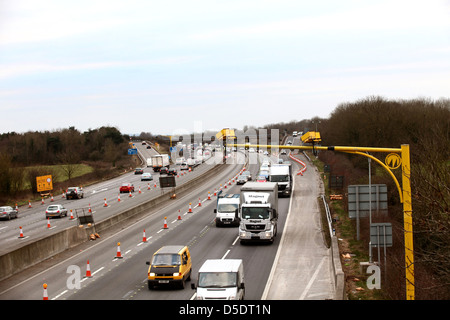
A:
(132, 151)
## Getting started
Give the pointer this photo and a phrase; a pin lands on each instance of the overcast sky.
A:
(165, 66)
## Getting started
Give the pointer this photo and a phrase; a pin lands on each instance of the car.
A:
(248, 174)
(241, 179)
(138, 171)
(126, 187)
(264, 173)
(172, 172)
(184, 166)
(55, 210)
(146, 176)
(261, 178)
(164, 170)
(74, 193)
(7, 212)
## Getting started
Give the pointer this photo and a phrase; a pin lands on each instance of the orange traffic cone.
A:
(179, 215)
(45, 295)
(148, 186)
(118, 254)
(129, 194)
(199, 202)
(90, 211)
(190, 208)
(71, 215)
(165, 223)
(144, 238)
(48, 223)
(215, 192)
(29, 204)
(88, 270)
(209, 195)
(118, 198)
(51, 200)
(21, 233)
(140, 190)
(105, 205)
(42, 200)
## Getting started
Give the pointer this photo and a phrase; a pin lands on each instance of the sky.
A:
(171, 66)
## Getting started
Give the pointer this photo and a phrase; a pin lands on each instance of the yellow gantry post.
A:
(408, 223)
(404, 192)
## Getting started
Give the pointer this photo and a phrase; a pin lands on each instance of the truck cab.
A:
(227, 204)
(220, 279)
(258, 214)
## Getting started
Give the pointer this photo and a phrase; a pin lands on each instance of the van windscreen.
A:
(166, 260)
(217, 279)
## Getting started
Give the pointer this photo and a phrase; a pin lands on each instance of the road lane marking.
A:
(311, 281)
(226, 253)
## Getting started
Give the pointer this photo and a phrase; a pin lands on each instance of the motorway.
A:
(126, 278)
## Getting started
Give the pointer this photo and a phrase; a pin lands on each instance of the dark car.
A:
(139, 171)
(164, 170)
(172, 172)
(7, 212)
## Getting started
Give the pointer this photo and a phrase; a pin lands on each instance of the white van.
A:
(220, 279)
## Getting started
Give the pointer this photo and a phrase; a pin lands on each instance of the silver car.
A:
(8, 213)
(241, 179)
(55, 210)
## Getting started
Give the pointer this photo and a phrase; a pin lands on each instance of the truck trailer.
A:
(159, 161)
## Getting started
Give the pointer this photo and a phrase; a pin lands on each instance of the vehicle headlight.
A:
(176, 274)
(152, 274)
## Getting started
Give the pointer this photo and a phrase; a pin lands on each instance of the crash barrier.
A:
(336, 266)
(51, 245)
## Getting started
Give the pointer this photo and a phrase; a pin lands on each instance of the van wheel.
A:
(182, 283)
(189, 276)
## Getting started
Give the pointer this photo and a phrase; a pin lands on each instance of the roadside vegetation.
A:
(378, 122)
(70, 156)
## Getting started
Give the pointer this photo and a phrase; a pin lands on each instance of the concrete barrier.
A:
(49, 246)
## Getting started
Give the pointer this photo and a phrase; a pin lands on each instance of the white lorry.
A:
(282, 174)
(149, 162)
(220, 279)
(227, 204)
(159, 161)
(258, 214)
